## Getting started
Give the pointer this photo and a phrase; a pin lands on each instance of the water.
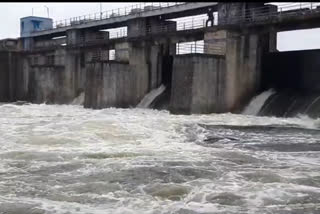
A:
(257, 102)
(290, 103)
(151, 96)
(78, 100)
(67, 159)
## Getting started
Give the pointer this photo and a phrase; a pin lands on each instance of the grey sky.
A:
(10, 14)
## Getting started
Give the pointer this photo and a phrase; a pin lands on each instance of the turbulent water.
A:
(67, 159)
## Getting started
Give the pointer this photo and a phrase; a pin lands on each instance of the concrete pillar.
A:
(138, 61)
(273, 40)
(28, 43)
(198, 84)
(92, 36)
(122, 52)
(215, 42)
(243, 68)
(137, 27)
(109, 84)
(152, 25)
(232, 13)
(74, 37)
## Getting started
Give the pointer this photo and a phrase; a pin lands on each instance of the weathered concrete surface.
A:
(10, 63)
(122, 52)
(197, 84)
(215, 42)
(243, 53)
(43, 84)
(51, 76)
(109, 84)
(138, 61)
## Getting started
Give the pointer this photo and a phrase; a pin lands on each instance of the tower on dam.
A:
(118, 57)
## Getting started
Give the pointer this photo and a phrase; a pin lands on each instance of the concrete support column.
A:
(215, 42)
(243, 68)
(237, 12)
(92, 36)
(147, 26)
(137, 27)
(122, 52)
(28, 43)
(273, 40)
(74, 37)
(138, 61)
(198, 84)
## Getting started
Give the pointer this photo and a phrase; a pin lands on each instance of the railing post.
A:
(195, 47)
(192, 24)
(178, 48)
(191, 48)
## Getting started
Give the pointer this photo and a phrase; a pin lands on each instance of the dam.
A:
(119, 57)
(191, 115)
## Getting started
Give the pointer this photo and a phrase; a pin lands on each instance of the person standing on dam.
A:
(210, 17)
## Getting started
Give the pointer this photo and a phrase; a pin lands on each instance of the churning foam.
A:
(65, 158)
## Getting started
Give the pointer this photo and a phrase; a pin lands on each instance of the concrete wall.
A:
(43, 84)
(109, 84)
(4, 76)
(53, 76)
(215, 42)
(197, 84)
(243, 68)
(138, 61)
(10, 64)
(243, 52)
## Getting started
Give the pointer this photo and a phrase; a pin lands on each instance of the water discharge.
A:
(257, 102)
(67, 159)
(151, 96)
(78, 100)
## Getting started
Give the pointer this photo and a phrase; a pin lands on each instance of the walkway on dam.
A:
(282, 16)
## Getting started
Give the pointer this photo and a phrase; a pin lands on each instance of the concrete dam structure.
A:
(116, 58)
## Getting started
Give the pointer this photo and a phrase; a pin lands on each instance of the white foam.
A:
(126, 140)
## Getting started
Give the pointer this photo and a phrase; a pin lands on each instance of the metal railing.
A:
(256, 15)
(262, 14)
(200, 47)
(129, 10)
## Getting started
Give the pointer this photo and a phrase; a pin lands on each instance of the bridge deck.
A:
(118, 21)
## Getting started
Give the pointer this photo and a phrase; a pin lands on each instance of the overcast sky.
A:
(10, 14)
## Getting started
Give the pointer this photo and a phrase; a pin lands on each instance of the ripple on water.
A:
(67, 159)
